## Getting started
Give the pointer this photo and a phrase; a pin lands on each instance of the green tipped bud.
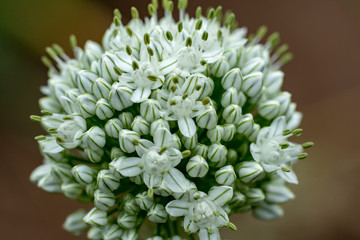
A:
(35, 118)
(180, 26)
(134, 13)
(182, 4)
(198, 12)
(302, 156)
(169, 36)
(146, 38)
(73, 41)
(297, 132)
(188, 42)
(307, 145)
(198, 24)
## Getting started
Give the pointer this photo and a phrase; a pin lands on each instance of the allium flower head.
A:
(181, 122)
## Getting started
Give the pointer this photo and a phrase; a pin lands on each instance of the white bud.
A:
(215, 134)
(103, 200)
(72, 190)
(62, 171)
(189, 142)
(268, 211)
(229, 132)
(242, 99)
(128, 140)
(131, 234)
(230, 96)
(254, 133)
(92, 52)
(112, 232)
(208, 118)
(252, 84)
(294, 121)
(197, 166)
(157, 213)
(269, 109)
(91, 188)
(284, 98)
(238, 200)
(50, 104)
(95, 234)
(232, 55)
(160, 123)
(233, 79)
(113, 127)
(207, 88)
(101, 88)
(246, 124)
(83, 174)
(232, 114)
(144, 201)
(250, 171)
(217, 154)
(127, 220)
(130, 205)
(119, 96)
(96, 217)
(107, 182)
(85, 80)
(86, 104)
(253, 65)
(225, 175)
(106, 66)
(140, 125)
(273, 82)
(94, 155)
(277, 193)
(151, 110)
(74, 222)
(200, 149)
(103, 109)
(254, 195)
(50, 183)
(116, 153)
(126, 119)
(40, 172)
(94, 138)
(220, 67)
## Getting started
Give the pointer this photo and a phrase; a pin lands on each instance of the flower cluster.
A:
(178, 123)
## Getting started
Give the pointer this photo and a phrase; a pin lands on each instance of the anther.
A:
(40, 138)
(170, 6)
(203, 62)
(297, 132)
(135, 65)
(219, 34)
(146, 38)
(46, 61)
(232, 226)
(59, 139)
(51, 52)
(188, 42)
(175, 79)
(73, 41)
(152, 78)
(307, 145)
(151, 9)
(261, 32)
(128, 50)
(172, 88)
(284, 145)
(197, 87)
(211, 13)
(46, 112)
(35, 118)
(205, 36)
(150, 193)
(302, 156)
(285, 169)
(286, 58)
(182, 4)
(172, 103)
(150, 51)
(129, 31)
(116, 21)
(117, 70)
(186, 153)
(117, 13)
(218, 12)
(198, 24)
(180, 26)
(198, 12)
(286, 132)
(134, 13)
(230, 19)
(169, 36)
(135, 142)
(205, 101)
(52, 130)
(184, 96)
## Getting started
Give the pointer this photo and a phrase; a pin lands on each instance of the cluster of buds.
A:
(178, 123)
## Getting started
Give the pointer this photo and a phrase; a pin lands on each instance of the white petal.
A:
(288, 176)
(221, 195)
(187, 126)
(213, 56)
(176, 181)
(162, 137)
(124, 62)
(277, 126)
(143, 147)
(129, 167)
(205, 235)
(140, 95)
(151, 180)
(168, 65)
(177, 208)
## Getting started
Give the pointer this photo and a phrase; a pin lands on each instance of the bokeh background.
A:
(323, 78)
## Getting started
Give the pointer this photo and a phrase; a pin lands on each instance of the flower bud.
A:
(92, 52)
(217, 154)
(232, 79)
(157, 213)
(200, 149)
(62, 171)
(197, 166)
(269, 109)
(119, 96)
(85, 80)
(91, 188)
(232, 55)
(130, 205)
(230, 96)
(225, 175)
(144, 201)
(284, 98)
(127, 220)
(208, 118)
(237, 200)
(207, 88)
(254, 195)
(74, 222)
(189, 142)
(83, 174)
(242, 99)
(101, 88)
(215, 134)
(126, 119)
(103, 109)
(253, 65)
(268, 211)
(106, 66)
(49, 104)
(151, 110)
(103, 200)
(94, 155)
(160, 123)
(128, 140)
(94, 138)
(252, 84)
(95, 234)
(113, 127)
(72, 190)
(250, 171)
(294, 121)
(229, 132)
(254, 133)
(232, 114)
(112, 232)
(86, 104)
(277, 193)
(116, 153)
(40, 172)
(50, 183)
(220, 67)
(131, 234)
(273, 81)
(246, 124)
(96, 217)
(107, 182)
(140, 125)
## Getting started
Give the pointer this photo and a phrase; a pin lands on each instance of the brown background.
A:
(323, 78)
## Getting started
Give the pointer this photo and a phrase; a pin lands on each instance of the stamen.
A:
(205, 36)
(46, 112)
(198, 24)
(182, 4)
(297, 132)
(211, 13)
(286, 132)
(146, 38)
(286, 58)
(35, 118)
(230, 19)
(134, 13)
(273, 40)
(188, 42)
(73, 41)
(285, 169)
(169, 36)
(218, 12)
(307, 145)
(117, 70)
(232, 226)
(128, 50)
(117, 13)
(135, 65)
(284, 145)
(151, 9)
(198, 12)
(302, 156)
(40, 138)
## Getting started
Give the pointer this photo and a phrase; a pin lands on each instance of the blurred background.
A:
(323, 78)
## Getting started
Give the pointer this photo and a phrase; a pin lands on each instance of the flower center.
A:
(156, 163)
(203, 212)
(140, 76)
(188, 58)
(181, 106)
